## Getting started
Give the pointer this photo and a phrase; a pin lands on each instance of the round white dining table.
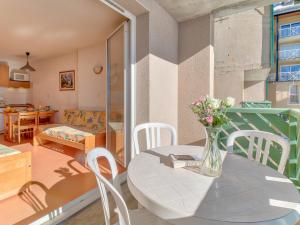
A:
(246, 193)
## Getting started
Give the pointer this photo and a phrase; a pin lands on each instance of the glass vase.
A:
(211, 158)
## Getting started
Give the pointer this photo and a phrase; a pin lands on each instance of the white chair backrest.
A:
(153, 135)
(104, 186)
(261, 149)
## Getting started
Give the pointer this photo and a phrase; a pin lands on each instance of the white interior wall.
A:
(89, 90)
(91, 86)
(45, 83)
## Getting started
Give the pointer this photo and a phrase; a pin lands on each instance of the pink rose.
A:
(209, 119)
(199, 101)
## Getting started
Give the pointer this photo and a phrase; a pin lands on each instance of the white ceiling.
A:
(183, 10)
(53, 27)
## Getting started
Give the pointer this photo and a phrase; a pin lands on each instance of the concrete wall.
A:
(157, 65)
(255, 90)
(176, 63)
(242, 45)
(279, 94)
(196, 73)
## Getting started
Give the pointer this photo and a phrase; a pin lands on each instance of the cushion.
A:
(79, 118)
(69, 116)
(5, 151)
(67, 133)
(93, 120)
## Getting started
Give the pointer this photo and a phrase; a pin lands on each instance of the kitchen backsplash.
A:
(15, 95)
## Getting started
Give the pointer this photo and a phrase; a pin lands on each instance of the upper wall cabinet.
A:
(6, 82)
(4, 75)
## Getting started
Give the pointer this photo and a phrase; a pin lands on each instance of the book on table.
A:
(179, 161)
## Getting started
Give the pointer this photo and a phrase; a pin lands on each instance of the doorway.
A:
(118, 94)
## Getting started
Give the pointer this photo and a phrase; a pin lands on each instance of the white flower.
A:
(230, 101)
(215, 103)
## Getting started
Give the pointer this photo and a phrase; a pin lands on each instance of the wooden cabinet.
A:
(19, 84)
(6, 82)
(4, 75)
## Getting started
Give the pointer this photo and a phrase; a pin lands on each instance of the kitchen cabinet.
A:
(19, 84)
(4, 75)
(6, 82)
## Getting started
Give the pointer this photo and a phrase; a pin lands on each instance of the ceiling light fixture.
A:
(27, 67)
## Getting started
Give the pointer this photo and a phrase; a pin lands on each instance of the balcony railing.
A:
(289, 76)
(280, 121)
(290, 54)
(290, 32)
(261, 104)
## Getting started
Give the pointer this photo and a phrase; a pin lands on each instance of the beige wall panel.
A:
(142, 69)
(162, 56)
(254, 90)
(195, 75)
(230, 84)
(163, 89)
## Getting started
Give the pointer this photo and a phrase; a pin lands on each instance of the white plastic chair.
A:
(125, 217)
(261, 136)
(153, 135)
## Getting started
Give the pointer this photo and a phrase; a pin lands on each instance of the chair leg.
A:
(19, 136)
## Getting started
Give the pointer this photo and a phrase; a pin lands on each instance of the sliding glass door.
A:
(118, 103)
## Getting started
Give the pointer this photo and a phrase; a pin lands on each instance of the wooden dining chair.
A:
(26, 124)
(153, 135)
(125, 217)
(261, 150)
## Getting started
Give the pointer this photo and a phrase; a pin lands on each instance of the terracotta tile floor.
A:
(57, 178)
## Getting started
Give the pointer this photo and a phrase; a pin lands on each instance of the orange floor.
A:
(57, 178)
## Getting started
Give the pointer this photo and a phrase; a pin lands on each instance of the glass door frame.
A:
(127, 91)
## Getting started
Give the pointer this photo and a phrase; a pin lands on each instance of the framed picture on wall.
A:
(67, 80)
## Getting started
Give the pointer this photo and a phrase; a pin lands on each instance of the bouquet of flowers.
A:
(211, 112)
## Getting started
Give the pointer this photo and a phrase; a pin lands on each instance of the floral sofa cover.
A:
(76, 125)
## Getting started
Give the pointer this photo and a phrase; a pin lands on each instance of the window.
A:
(289, 72)
(289, 52)
(294, 94)
(291, 29)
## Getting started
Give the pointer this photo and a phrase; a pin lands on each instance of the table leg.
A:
(5, 127)
(10, 128)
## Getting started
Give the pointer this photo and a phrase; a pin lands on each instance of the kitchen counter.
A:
(17, 105)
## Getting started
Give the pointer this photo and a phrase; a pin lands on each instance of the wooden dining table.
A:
(10, 118)
(246, 193)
